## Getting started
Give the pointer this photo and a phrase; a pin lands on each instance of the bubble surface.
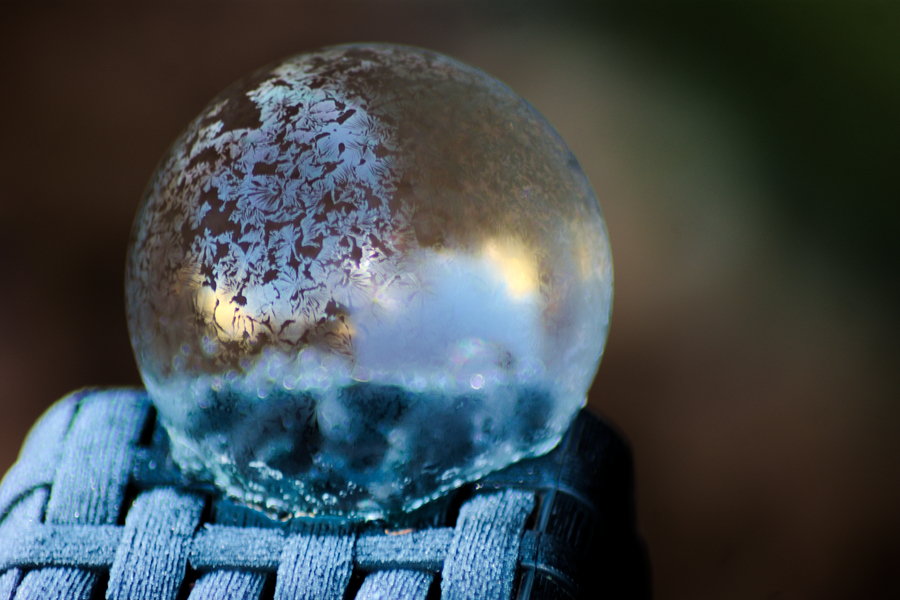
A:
(364, 277)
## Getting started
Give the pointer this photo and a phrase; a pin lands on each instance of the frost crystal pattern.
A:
(364, 277)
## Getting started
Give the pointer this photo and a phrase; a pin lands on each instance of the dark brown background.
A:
(745, 156)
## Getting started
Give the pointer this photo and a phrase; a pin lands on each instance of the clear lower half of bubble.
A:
(361, 450)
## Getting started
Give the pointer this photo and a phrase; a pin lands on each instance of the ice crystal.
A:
(363, 277)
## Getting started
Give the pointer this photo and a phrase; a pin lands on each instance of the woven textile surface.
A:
(95, 508)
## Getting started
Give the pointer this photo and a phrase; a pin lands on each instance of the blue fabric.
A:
(93, 510)
(233, 585)
(425, 549)
(21, 517)
(156, 541)
(254, 551)
(89, 483)
(34, 545)
(317, 562)
(387, 585)
(237, 548)
(40, 454)
(481, 560)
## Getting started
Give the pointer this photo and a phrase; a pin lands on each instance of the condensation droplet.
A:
(477, 381)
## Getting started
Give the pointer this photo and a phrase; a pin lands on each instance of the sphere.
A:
(364, 277)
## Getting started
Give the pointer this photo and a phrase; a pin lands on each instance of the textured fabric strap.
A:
(425, 550)
(389, 585)
(481, 560)
(156, 540)
(40, 453)
(316, 564)
(221, 583)
(237, 548)
(84, 546)
(228, 585)
(67, 519)
(23, 515)
(89, 491)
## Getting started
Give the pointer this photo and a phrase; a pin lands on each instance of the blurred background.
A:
(746, 159)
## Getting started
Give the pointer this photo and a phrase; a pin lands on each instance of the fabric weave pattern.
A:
(95, 508)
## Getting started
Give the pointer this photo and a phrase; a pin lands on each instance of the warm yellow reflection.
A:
(516, 264)
(217, 308)
(205, 302)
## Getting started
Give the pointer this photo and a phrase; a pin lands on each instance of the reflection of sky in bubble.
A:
(372, 275)
(465, 302)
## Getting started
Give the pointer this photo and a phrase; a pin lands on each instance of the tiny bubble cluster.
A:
(363, 277)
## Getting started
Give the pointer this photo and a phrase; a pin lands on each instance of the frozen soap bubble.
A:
(364, 277)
